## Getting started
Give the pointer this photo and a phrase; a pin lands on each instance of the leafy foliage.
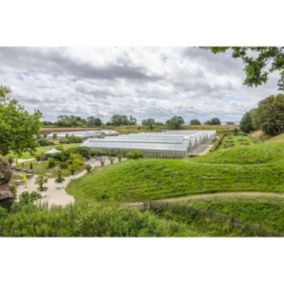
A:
(17, 126)
(195, 122)
(259, 62)
(175, 122)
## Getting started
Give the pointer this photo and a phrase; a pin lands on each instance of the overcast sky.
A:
(143, 82)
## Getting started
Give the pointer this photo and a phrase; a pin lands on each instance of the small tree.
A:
(31, 165)
(195, 122)
(59, 177)
(75, 162)
(40, 181)
(175, 122)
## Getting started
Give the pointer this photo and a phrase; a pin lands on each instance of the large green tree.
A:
(259, 63)
(18, 128)
(271, 114)
(195, 122)
(150, 122)
(246, 123)
(175, 122)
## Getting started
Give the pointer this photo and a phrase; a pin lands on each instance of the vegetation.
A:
(213, 121)
(259, 62)
(40, 181)
(86, 219)
(220, 171)
(227, 216)
(195, 122)
(150, 122)
(17, 126)
(175, 122)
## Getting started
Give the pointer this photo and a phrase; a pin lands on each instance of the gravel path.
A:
(55, 194)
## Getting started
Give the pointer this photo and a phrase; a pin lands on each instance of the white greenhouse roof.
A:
(53, 151)
(176, 141)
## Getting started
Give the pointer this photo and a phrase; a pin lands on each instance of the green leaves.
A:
(259, 63)
(17, 126)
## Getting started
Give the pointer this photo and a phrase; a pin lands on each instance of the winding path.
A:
(56, 194)
(210, 196)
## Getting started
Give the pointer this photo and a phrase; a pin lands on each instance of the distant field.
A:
(135, 128)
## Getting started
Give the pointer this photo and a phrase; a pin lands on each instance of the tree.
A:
(71, 121)
(40, 181)
(246, 123)
(195, 122)
(18, 128)
(93, 121)
(119, 119)
(271, 114)
(215, 121)
(132, 120)
(259, 62)
(175, 122)
(74, 163)
(150, 122)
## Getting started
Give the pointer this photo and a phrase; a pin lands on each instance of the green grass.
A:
(230, 141)
(149, 179)
(276, 139)
(254, 154)
(228, 217)
(28, 155)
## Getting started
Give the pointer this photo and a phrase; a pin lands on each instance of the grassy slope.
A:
(156, 178)
(276, 139)
(253, 154)
(228, 217)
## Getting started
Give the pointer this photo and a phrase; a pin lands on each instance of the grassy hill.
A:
(227, 217)
(252, 154)
(258, 167)
(276, 139)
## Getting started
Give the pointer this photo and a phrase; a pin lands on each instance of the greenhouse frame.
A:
(167, 144)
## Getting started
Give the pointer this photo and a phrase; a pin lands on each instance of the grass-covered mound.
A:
(276, 139)
(149, 179)
(86, 220)
(227, 217)
(253, 154)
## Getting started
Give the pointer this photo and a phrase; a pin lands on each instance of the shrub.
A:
(85, 152)
(134, 154)
(45, 142)
(59, 177)
(51, 163)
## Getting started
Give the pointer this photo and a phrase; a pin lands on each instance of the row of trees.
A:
(118, 120)
(268, 116)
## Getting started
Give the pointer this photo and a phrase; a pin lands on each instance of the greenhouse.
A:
(83, 134)
(171, 144)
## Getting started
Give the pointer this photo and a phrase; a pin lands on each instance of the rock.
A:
(6, 196)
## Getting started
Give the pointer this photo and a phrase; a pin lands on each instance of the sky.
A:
(146, 82)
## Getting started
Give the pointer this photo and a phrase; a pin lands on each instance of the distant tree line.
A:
(268, 116)
(174, 122)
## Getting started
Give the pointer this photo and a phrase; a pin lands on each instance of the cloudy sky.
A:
(144, 82)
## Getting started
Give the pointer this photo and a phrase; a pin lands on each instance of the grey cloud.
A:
(55, 60)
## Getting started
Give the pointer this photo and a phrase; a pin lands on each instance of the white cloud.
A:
(144, 82)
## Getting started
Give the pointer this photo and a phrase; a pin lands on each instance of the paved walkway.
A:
(56, 194)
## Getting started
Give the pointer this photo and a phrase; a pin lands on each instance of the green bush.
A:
(99, 220)
(45, 142)
(134, 155)
(85, 152)
(51, 163)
